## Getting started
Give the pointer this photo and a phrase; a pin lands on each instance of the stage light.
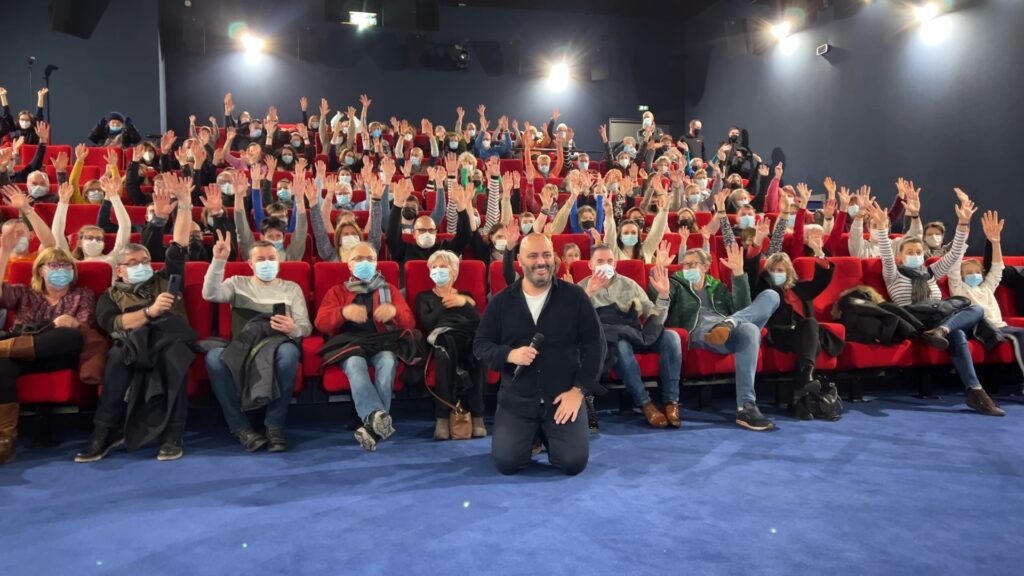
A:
(926, 12)
(935, 32)
(253, 44)
(782, 29)
(559, 77)
(362, 20)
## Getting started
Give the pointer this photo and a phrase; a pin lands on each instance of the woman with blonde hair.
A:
(450, 318)
(792, 327)
(90, 238)
(49, 319)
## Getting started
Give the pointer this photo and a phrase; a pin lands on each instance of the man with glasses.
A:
(144, 386)
(425, 229)
(544, 336)
(723, 320)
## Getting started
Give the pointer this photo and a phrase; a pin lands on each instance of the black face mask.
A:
(735, 185)
(586, 224)
(409, 213)
(696, 132)
(734, 138)
(685, 223)
(640, 222)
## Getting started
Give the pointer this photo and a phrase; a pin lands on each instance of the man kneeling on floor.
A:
(631, 324)
(370, 324)
(544, 337)
(258, 368)
(724, 321)
(144, 386)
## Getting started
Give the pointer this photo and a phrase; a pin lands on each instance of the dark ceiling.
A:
(660, 9)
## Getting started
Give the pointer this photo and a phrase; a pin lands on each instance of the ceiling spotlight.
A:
(559, 77)
(362, 20)
(782, 29)
(253, 44)
(460, 56)
(926, 12)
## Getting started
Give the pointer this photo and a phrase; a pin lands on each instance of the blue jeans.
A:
(286, 366)
(366, 395)
(959, 353)
(744, 341)
(670, 351)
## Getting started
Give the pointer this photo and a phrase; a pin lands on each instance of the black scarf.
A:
(921, 278)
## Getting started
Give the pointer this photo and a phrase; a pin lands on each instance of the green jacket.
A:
(684, 309)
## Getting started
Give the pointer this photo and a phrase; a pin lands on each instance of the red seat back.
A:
(471, 279)
(327, 275)
(297, 272)
(848, 273)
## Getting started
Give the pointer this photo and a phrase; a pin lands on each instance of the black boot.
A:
(102, 442)
(171, 447)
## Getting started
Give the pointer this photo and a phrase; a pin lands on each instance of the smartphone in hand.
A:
(174, 285)
(280, 309)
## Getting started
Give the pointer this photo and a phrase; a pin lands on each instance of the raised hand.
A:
(604, 133)
(229, 104)
(402, 193)
(734, 259)
(451, 163)
(965, 210)
(303, 103)
(763, 170)
(199, 154)
(960, 194)
(222, 247)
(912, 202)
(43, 131)
(762, 230)
(779, 169)
(513, 232)
(663, 255)
(166, 142)
(81, 151)
(65, 191)
(60, 162)
(271, 163)
(163, 205)
(830, 186)
(214, 199)
(365, 101)
(830, 208)
(659, 278)
(300, 166)
(992, 226)
(517, 178)
(111, 186)
(506, 185)
(461, 112)
(481, 109)
(803, 195)
(844, 199)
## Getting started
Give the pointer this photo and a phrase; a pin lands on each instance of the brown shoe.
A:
(18, 348)
(8, 432)
(719, 334)
(672, 415)
(978, 400)
(654, 416)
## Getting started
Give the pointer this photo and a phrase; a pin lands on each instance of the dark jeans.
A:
(803, 340)
(286, 367)
(55, 349)
(512, 442)
(111, 409)
(472, 399)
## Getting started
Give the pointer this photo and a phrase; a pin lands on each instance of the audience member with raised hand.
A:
(115, 129)
(159, 220)
(51, 318)
(273, 228)
(262, 335)
(24, 229)
(425, 230)
(724, 320)
(24, 124)
(979, 284)
(347, 235)
(625, 241)
(8, 172)
(369, 324)
(90, 238)
(633, 324)
(915, 286)
(449, 320)
(144, 396)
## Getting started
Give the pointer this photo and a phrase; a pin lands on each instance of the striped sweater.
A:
(901, 287)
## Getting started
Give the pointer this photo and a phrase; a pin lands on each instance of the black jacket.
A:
(785, 317)
(250, 357)
(572, 353)
(870, 323)
(401, 251)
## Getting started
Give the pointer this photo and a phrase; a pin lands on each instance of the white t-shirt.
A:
(536, 303)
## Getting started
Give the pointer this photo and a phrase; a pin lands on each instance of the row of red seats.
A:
(64, 388)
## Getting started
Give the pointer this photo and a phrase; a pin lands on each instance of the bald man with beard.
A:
(547, 393)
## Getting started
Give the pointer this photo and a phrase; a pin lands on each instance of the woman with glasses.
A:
(49, 316)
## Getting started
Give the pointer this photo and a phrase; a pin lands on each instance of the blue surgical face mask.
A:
(746, 221)
(544, 168)
(472, 133)
(284, 194)
(440, 276)
(791, 220)
(974, 280)
(364, 270)
(22, 246)
(606, 270)
(629, 149)
(38, 190)
(343, 199)
(526, 227)
(375, 133)
(453, 144)
(695, 198)
(278, 245)
(345, 178)
(60, 278)
(266, 270)
(584, 165)
(778, 278)
(415, 160)
(227, 189)
(853, 210)
(630, 240)
(647, 122)
(297, 144)
(287, 158)
(691, 275)
(139, 273)
(613, 187)
(256, 132)
(350, 160)
(913, 261)
(114, 129)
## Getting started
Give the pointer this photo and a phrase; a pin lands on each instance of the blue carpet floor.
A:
(899, 486)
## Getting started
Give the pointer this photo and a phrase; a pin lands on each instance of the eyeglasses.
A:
(143, 262)
(59, 265)
(426, 230)
(362, 259)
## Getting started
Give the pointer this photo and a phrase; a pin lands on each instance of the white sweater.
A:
(983, 295)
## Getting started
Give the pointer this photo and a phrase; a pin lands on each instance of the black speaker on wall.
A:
(77, 17)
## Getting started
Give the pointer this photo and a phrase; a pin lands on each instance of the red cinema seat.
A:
(82, 215)
(581, 240)
(61, 386)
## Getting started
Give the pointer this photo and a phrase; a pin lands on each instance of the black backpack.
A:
(818, 400)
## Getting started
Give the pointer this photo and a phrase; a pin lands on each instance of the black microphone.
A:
(538, 339)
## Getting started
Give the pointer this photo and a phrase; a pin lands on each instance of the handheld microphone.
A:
(538, 339)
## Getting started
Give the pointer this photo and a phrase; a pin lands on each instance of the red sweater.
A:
(329, 319)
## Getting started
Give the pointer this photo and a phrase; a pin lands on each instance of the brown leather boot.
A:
(8, 432)
(654, 416)
(18, 348)
(672, 415)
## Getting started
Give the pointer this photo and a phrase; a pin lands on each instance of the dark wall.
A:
(117, 69)
(883, 104)
(375, 62)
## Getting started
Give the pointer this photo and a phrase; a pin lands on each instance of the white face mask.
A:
(25, 124)
(703, 183)
(933, 240)
(500, 244)
(425, 240)
(92, 248)
(148, 156)
(348, 242)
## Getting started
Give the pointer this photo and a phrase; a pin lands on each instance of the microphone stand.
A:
(50, 69)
